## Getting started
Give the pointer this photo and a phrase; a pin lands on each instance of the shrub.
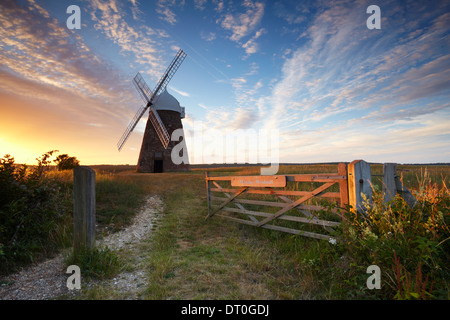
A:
(410, 245)
(32, 211)
(64, 162)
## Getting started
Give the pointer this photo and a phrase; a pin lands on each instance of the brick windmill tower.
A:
(165, 114)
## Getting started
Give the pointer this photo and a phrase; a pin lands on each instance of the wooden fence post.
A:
(343, 184)
(208, 193)
(389, 186)
(359, 182)
(83, 208)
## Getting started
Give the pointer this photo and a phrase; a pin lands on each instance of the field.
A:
(190, 257)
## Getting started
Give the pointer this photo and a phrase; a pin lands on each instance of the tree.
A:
(64, 162)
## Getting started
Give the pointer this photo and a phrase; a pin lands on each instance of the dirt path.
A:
(47, 280)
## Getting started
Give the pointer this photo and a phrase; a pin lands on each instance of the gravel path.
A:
(47, 280)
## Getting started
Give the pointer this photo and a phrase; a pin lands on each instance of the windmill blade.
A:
(144, 91)
(162, 84)
(130, 127)
(168, 74)
(159, 127)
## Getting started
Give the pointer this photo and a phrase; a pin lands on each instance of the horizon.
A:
(334, 88)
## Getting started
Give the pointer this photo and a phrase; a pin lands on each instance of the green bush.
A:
(33, 209)
(410, 245)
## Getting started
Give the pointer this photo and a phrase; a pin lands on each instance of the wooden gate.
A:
(354, 192)
(280, 198)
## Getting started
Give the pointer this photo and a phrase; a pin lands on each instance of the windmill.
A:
(165, 114)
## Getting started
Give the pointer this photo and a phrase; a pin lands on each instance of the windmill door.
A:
(158, 166)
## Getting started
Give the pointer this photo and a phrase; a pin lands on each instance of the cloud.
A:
(164, 9)
(200, 4)
(66, 94)
(166, 14)
(40, 50)
(141, 43)
(183, 93)
(208, 36)
(344, 70)
(243, 118)
(242, 24)
(135, 11)
(292, 13)
(251, 46)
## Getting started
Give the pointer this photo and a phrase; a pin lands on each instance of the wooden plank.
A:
(359, 182)
(283, 229)
(224, 178)
(389, 186)
(287, 218)
(208, 192)
(281, 192)
(322, 177)
(298, 232)
(297, 202)
(343, 185)
(240, 191)
(257, 202)
(258, 181)
(275, 204)
(237, 204)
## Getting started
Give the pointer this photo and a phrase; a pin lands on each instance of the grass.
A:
(98, 263)
(190, 257)
(214, 259)
(194, 258)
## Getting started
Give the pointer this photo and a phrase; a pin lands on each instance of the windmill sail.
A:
(141, 87)
(148, 97)
(159, 127)
(130, 128)
(170, 71)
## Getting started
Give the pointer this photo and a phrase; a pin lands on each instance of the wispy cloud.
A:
(180, 92)
(200, 4)
(251, 46)
(359, 87)
(166, 12)
(40, 50)
(344, 67)
(140, 42)
(208, 36)
(243, 24)
(59, 85)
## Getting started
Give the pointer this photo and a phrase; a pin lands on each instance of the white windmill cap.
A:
(166, 101)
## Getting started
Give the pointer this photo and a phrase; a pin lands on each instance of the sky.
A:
(312, 74)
